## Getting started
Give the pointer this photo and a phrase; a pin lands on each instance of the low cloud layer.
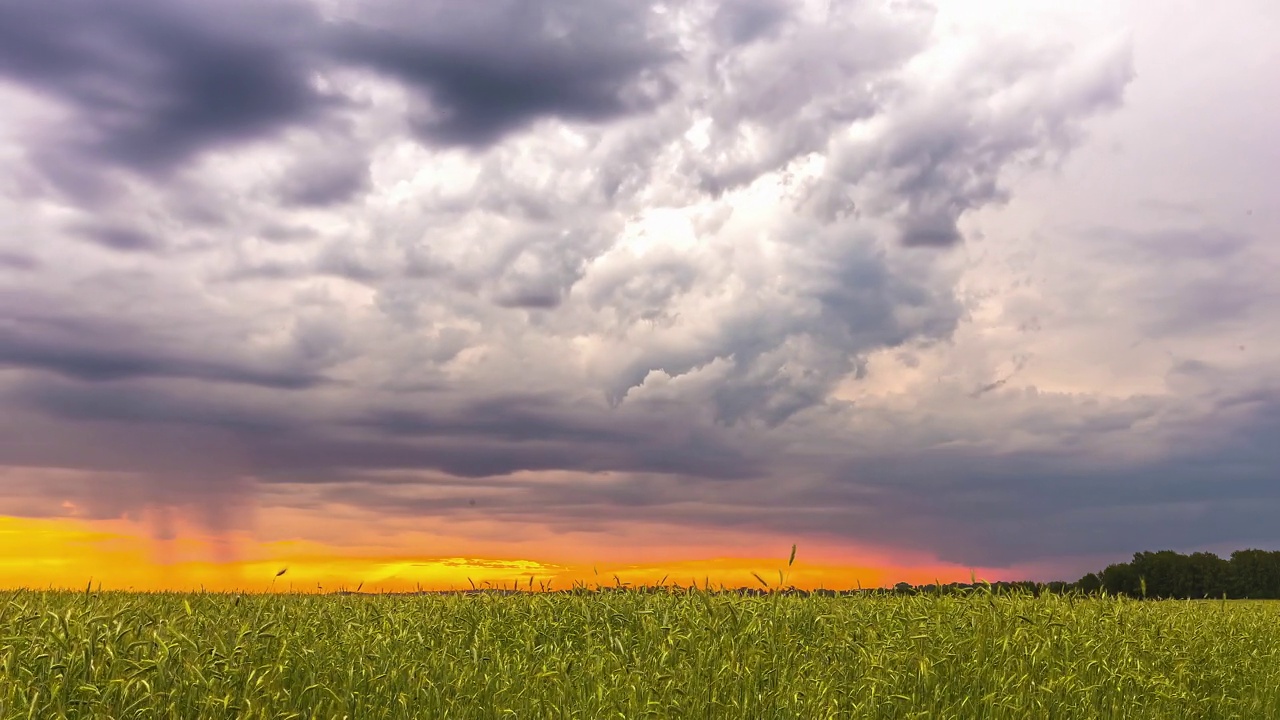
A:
(786, 267)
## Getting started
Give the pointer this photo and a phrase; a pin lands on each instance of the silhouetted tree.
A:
(1255, 574)
(1207, 575)
(1121, 579)
(1251, 574)
(1089, 584)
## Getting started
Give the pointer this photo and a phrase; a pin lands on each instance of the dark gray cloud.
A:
(304, 443)
(102, 349)
(487, 69)
(121, 237)
(745, 21)
(325, 180)
(92, 363)
(137, 403)
(152, 84)
(346, 459)
(1025, 507)
(967, 508)
(513, 419)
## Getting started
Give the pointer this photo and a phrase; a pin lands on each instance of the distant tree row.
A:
(1249, 574)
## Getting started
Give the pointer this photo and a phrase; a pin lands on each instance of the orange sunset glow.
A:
(400, 295)
(119, 555)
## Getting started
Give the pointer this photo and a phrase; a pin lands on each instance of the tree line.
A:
(1246, 575)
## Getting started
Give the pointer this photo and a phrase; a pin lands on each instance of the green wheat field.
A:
(634, 654)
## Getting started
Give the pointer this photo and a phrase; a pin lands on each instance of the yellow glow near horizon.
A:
(113, 555)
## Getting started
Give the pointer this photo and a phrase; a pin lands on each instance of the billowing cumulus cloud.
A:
(783, 266)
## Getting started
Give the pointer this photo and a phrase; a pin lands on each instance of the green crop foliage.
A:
(630, 654)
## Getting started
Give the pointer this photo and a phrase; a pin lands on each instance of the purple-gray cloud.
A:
(756, 264)
(152, 83)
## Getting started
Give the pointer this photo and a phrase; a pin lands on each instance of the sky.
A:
(431, 293)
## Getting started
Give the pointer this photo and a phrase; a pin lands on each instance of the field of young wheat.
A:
(633, 655)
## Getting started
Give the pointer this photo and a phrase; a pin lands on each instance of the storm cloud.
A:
(884, 274)
(481, 71)
(150, 84)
